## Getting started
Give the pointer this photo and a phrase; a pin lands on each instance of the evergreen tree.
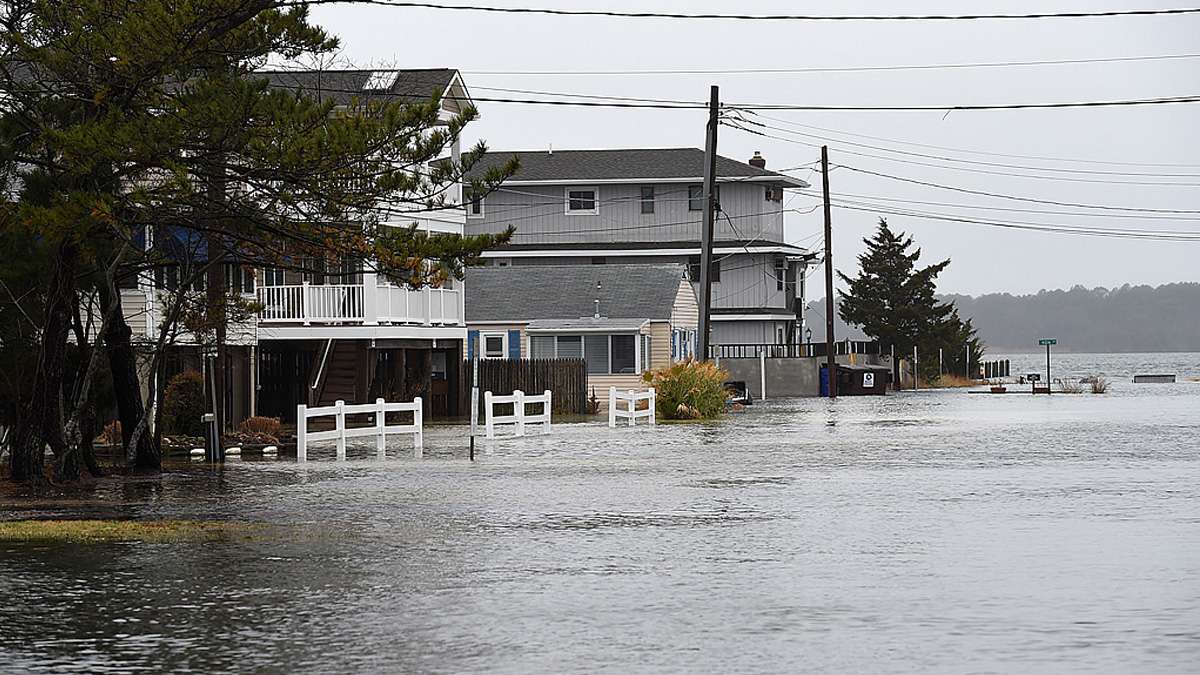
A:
(895, 302)
(133, 121)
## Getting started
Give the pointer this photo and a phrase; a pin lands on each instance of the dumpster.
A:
(857, 380)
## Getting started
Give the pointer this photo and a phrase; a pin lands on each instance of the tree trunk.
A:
(41, 424)
(122, 361)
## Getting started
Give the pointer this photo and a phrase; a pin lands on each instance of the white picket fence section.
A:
(340, 433)
(630, 412)
(520, 417)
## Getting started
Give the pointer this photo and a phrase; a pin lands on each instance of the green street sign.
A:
(1047, 341)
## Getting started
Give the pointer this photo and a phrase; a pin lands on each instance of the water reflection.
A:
(917, 532)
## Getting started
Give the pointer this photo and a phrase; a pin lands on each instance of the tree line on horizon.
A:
(1129, 318)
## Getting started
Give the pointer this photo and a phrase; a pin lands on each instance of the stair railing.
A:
(318, 383)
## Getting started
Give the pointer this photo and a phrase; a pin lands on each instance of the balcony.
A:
(358, 304)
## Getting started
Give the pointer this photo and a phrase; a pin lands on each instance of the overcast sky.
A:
(984, 259)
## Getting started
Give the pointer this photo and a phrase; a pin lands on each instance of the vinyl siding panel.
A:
(686, 312)
(601, 383)
(539, 215)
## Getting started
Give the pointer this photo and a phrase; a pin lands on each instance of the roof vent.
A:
(381, 80)
(758, 160)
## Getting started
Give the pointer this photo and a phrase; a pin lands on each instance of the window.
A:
(714, 270)
(314, 270)
(570, 346)
(494, 345)
(474, 205)
(596, 352)
(774, 194)
(696, 197)
(780, 273)
(541, 347)
(624, 353)
(647, 199)
(239, 279)
(273, 276)
(582, 201)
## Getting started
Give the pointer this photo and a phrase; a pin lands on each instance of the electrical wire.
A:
(755, 17)
(998, 195)
(838, 69)
(988, 172)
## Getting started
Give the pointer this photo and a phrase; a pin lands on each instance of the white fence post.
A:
(488, 414)
(612, 406)
(653, 405)
(630, 411)
(301, 432)
(546, 410)
(762, 374)
(419, 423)
(519, 411)
(380, 436)
(340, 427)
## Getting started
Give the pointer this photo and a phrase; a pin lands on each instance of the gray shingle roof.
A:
(531, 292)
(616, 164)
(343, 86)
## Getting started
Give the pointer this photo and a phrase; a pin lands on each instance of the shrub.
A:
(259, 430)
(689, 390)
(1069, 387)
(112, 434)
(1099, 385)
(183, 404)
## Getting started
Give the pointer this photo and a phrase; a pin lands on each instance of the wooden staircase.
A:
(341, 375)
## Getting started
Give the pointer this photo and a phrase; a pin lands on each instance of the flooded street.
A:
(933, 530)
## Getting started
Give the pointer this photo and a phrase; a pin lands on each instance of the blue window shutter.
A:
(472, 340)
(514, 345)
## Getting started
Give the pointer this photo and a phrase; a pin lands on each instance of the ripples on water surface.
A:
(923, 531)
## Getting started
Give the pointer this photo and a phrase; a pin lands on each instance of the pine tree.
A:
(894, 301)
(127, 122)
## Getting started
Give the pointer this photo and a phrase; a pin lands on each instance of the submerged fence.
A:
(340, 432)
(630, 412)
(520, 415)
(567, 378)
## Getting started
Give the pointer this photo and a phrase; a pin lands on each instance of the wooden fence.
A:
(567, 378)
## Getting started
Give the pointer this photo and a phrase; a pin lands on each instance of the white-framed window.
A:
(474, 205)
(605, 354)
(493, 345)
(273, 276)
(780, 273)
(582, 201)
(647, 200)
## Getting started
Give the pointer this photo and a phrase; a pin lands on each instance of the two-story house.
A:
(339, 330)
(646, 205)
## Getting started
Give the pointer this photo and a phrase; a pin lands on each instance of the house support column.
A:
(370, 298)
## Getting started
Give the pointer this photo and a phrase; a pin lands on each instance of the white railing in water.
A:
(519, 417)
(354, 303)
(379, 428)
(630, 412)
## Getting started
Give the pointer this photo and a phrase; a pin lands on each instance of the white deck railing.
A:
(631, 412)
(520, 417)
(380, 429)
(356, 303)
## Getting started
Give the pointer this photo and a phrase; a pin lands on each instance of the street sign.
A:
(1034, 377)
(1047, 341)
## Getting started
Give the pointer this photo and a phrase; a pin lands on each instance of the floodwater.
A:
(926, 531)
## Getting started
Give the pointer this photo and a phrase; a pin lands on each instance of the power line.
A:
(1106, 181)
(972, 161)
(1034, 227)
(840, 69)
(757, 17)
(966, 151)
(998, 195)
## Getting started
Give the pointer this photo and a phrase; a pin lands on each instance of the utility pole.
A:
(706, 232)
(830, 361)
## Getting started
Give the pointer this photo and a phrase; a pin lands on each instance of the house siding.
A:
(539, 215)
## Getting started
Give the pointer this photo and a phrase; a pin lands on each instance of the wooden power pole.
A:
(830, 361)
(706, 232)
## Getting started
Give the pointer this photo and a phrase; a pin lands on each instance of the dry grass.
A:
(1099, 385)
(948, 381)
(1071, 387)
(154, 531)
